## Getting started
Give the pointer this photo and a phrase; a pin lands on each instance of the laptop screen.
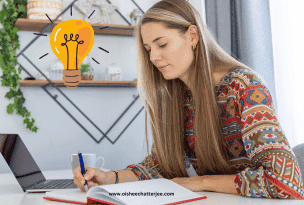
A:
(20, 160)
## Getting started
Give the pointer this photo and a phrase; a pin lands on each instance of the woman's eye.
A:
(159, 46)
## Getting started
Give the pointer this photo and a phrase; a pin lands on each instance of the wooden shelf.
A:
(83, 83)
(24, 24)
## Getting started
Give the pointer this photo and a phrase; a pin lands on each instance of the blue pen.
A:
(82, 169)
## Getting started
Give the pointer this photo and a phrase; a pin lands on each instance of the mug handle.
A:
(71, 159)
(102, 162)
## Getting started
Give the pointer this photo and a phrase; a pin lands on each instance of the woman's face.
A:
(169, 48)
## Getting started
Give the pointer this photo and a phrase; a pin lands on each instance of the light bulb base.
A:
(71, 78)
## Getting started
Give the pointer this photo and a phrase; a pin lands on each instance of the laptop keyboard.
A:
(54, 184)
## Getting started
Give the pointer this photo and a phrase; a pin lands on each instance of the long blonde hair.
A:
(164, 101)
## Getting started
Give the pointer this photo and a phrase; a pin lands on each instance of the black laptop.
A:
(25, 169)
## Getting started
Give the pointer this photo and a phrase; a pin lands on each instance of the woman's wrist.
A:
(116, 177)
(111, 177)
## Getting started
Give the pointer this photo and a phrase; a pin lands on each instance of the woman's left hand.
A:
(192, 183)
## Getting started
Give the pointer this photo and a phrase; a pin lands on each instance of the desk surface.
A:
(12, 194)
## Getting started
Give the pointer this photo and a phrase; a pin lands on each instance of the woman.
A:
(241, 146)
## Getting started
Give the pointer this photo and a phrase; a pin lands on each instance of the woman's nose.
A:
(155, 55)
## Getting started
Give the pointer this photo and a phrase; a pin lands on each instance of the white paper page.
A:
(69, 195)
(151, 186)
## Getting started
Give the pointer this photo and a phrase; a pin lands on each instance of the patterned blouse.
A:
(266, 165)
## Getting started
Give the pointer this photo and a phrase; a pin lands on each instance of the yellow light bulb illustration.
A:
(71, 41)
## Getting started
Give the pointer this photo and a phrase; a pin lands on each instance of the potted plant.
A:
(9, 13)
(87, 72)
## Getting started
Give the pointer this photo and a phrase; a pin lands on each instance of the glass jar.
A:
(87, 71)
(113, 72)
(56, 70)
(60, 73)
(41, 77)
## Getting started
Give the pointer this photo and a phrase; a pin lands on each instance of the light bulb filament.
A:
(73, 52)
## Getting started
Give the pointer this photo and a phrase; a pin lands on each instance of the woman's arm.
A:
(216, 183)
(148, 168)
(220, 183)
(276, 171)
(123, 175)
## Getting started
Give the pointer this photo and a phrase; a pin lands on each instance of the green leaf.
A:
(3, 11)
(22, 7)
(23, 111)
(26, 120)
(5, 83)
(10, 109)
(35, 129)
(19, 92)
(16, 100)
(15, 29)
(22, 99)
(29, 125)
(10, 94)
(28, 114)
(2, 63)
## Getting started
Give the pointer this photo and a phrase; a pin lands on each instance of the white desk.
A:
(12, 194)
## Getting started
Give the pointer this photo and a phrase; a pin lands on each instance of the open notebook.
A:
(124, 194)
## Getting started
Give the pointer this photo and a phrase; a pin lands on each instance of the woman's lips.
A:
(162, 68)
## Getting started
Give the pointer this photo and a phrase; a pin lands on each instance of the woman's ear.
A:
(193, 34)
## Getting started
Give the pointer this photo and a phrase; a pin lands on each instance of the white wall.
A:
(288, 31)
(58, 135)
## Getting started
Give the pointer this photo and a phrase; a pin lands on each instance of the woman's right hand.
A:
(93, 176)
